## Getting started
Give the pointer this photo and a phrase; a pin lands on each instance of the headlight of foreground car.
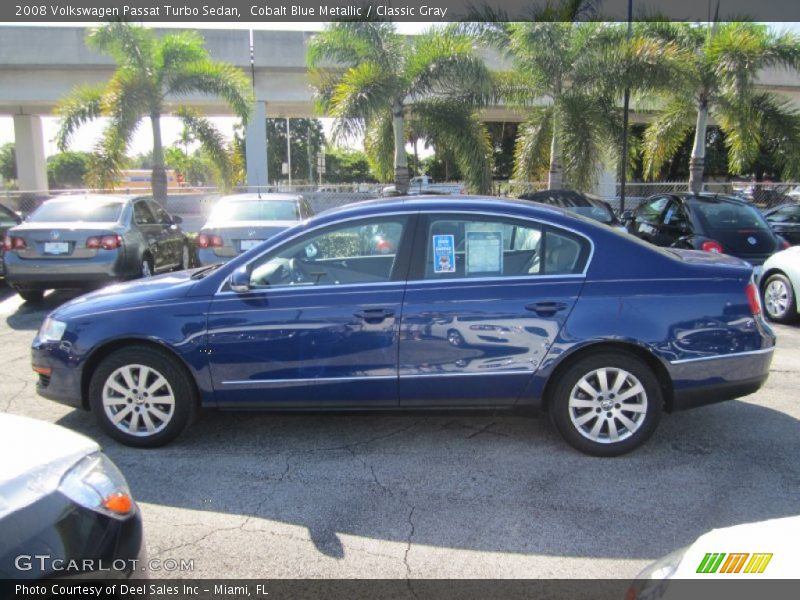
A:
(52, 330)
(96, 483)
(649, 583)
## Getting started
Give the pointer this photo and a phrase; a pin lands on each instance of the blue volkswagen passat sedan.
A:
(481, 303)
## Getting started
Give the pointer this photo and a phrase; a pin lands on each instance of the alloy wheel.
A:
(138, 400)
(776, 298)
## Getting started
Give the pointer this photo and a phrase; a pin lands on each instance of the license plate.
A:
(247, 244)
(56, 247)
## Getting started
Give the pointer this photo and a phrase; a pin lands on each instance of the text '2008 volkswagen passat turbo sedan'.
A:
(482, 303)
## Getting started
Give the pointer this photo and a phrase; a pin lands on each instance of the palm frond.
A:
(666, 133)
(583, 140)
(457, 128)
(214, 78)
(379, 147)
(176, 50)
(212, 142)
(347, 43)
(127, 44)
(83, 104)
(532, 147)
(360, 95)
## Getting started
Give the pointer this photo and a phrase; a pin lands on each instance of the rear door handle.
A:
(374, 314)
(546, 308)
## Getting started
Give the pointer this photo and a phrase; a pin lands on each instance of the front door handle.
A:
(374, 314)
(546, 308)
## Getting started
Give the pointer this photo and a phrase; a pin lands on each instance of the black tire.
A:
(186, 258)
(32, 296)
(643, 411)
(778, 299)
(179, 386)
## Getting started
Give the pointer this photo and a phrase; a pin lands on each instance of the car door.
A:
(647, 218)
(171, 239)
(152, 232)
(319, 326)
(486, 298)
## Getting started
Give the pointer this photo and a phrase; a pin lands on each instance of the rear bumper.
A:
(207, 257)
(707, 380)
(64, 273)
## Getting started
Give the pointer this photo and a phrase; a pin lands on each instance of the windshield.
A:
(727, 215)
(256, 210)
(92, 212)
(593, 212)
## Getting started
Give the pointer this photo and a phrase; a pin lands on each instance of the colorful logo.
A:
(741, 562)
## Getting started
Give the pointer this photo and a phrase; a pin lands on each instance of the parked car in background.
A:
(580, 203)
(311, 319)
(785, 221)
(710, 222)
(87, 240)
(65, 509)
(242, 221)
(423, 184)
(780, 283)
(8, 219)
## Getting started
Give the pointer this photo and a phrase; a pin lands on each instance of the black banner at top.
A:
(266, 11)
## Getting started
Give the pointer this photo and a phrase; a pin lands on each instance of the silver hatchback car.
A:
(241, 221)
(87, 240)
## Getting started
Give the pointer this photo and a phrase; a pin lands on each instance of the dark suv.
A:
(709, 222)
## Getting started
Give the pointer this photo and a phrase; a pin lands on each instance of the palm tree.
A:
(718, 81)
(567, 78)
(372, 80)
(149, 71)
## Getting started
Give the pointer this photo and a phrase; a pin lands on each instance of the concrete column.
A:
(256, 147)
(29, 147)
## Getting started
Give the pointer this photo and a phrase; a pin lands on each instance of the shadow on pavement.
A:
(29, 315)
(488, 482)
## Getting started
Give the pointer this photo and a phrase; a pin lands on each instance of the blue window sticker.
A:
(444, 254)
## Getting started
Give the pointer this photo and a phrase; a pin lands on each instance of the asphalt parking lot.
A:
(437, 495)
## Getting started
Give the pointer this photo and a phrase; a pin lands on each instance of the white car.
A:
(752, 551)
(779, 283)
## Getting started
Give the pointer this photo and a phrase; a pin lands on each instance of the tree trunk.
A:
(698, 160)
(158, 178)
(400, 161)
(554, 175)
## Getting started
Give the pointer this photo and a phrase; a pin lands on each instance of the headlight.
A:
(96, 483)
(52, 330)
(650, 584)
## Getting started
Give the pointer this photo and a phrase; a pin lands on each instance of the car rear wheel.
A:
(607, 404)
(780, 303)
(142, 397)
(32, 296)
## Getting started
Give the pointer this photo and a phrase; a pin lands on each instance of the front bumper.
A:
(63, 384)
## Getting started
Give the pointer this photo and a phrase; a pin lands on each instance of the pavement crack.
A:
(408, 541)
(350, 447)
(13, 397)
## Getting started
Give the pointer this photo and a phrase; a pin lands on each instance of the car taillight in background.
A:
(13, 243)
(712, 246)
(784, 243)
(205, 240)
(753, 299)
(106, 242)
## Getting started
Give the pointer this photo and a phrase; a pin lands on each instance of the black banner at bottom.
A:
(400, 589)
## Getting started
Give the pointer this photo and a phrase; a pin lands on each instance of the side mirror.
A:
(627, 216)
(177, 220)
(240, 280)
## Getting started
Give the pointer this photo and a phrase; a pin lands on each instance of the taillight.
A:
(753, 298)
(106, 242)
(785, 244)
(209, 241)
(712, 246)
(13, 243)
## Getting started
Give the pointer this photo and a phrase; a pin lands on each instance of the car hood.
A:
(153, 290)
(778, 537)
(36, 455)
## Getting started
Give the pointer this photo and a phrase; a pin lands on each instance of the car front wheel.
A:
(779, 299)
(607, 404)
(142, 397)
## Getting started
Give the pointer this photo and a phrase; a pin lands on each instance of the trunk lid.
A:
(243, 235)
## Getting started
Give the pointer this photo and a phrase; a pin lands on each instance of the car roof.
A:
(121, 198)
(710, 198)
(249, 196)
(564, 198)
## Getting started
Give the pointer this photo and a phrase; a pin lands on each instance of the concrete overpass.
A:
(40, 65)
